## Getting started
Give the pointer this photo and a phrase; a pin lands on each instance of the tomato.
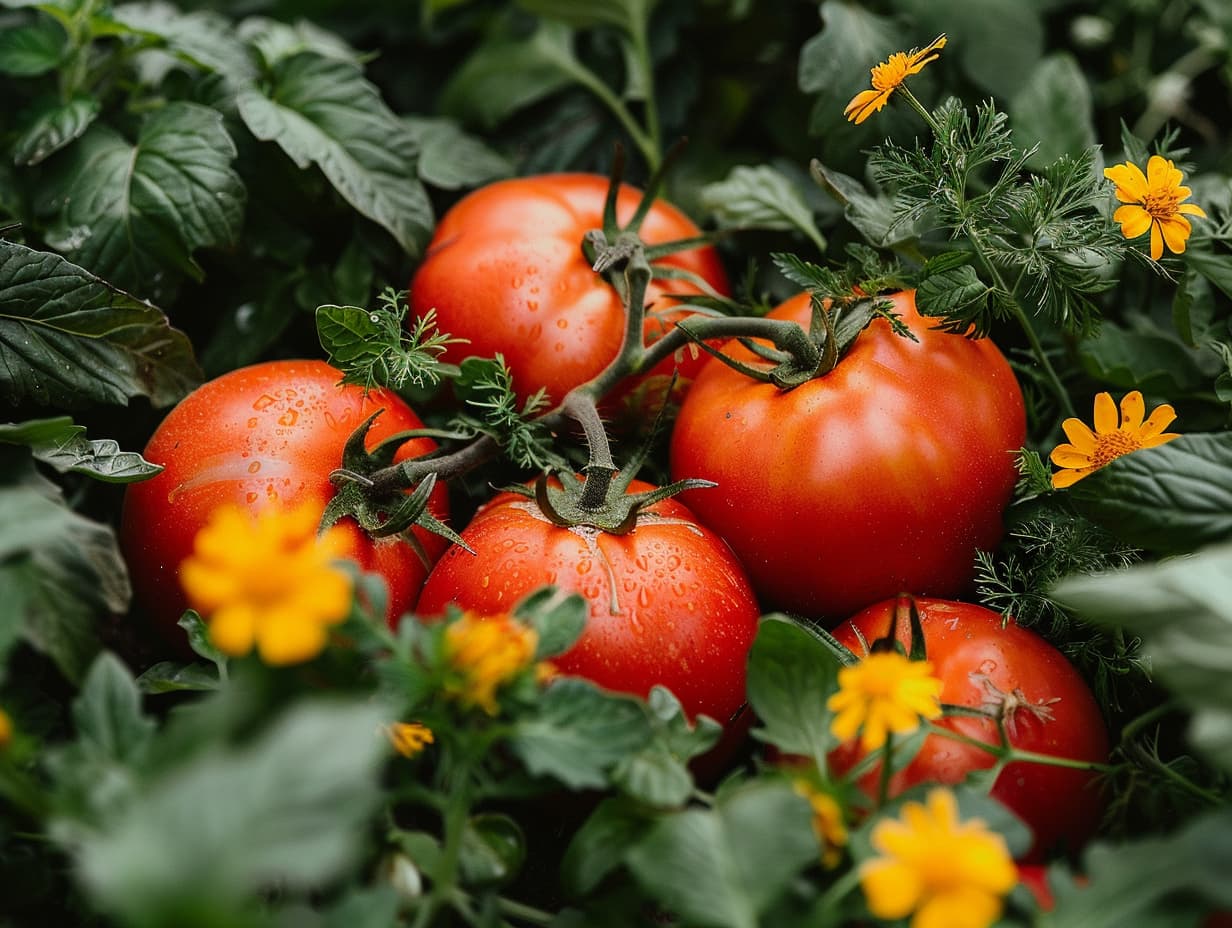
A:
(1048, 710)
(261, 435)
(506, 271)
(669, 603)
(888, 473)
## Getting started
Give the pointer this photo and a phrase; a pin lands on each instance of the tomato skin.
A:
(886, 474)
(269, 432)
(972, 653)
(505, 269)
(669, 603)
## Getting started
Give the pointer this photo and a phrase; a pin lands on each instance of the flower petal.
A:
(1079, 434)
(1157, 242)
(1162, 174)
(1132, 411)
(865, 103)
(1067, 478)
(1106, 418)
(1192, 209)
(1069, 458)
(892, 888)
(1129, 181)
(1175, 232)
(1162, 416)
(1134, 220)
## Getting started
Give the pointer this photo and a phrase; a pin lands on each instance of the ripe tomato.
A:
(886, 474)
(265, 434)
(669, 603)
(1048, 709)
(506, 271)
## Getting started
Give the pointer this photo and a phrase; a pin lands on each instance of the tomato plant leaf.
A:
(200, 38)
(657, 774)
(493, 849)
(51, 126)
(557, 617)
(452, 159)
(64, 446)
(598, 847)
(134, 213)
(1052, 110)
(108, 714)
(33, 48)
(761, 197)
(950, 288)
(791, 674)
(68, 338)
(170, 677)
(727, 865)
(276, 41)
(629, 15)
(1169, 499)
(836, 61)
(1150, 361)
(323, 111)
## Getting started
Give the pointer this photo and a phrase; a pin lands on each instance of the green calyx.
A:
(616, 511)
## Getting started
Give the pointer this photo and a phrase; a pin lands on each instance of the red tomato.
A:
(1048, 710)
(268, 433)
(669, 604)
(886, 474)
(505, 270)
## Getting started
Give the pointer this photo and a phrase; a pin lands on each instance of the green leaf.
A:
(170, 677)
(950, 288)
(200, 38)
(1170, 500)
(579, 733)
(726, 866)
(1053, 110)
(557, 617)
(1213, 267)
(760, 198)
(835, 63)
(32, 49)
(51, 126)
(598, 847)
(64, 446)
(276, 41)
(451, 159)
(505, 74)
(108, 715)
(630, 15)
(1150, 361)
(68, 338)
(135, 213)
(874, 217)
(1182, 610)
(492, 850)
(657, 774)
(322, 111)
(287, 809)
(792, 673)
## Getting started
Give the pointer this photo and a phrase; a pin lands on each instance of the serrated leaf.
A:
(135, 213)
(32, 49)
(108, 715)
(953, 292)
(322, 111)
(350, 335)
(53, 125)
(451, 159)
(1052, 110)
(760, 198)
(64, 446)
(68, 338)
(1169, 499)
(726, 866)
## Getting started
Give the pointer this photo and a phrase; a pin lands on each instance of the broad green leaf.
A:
(322, 111)
(556, 616)
(286, 809)
(135, 213)
(170, 677)
(32, 49)
(276, 41)
(1213, 267)
(872, 216)
(453, 160)
(657, 774)
(949, 286)
(64, 446)
(201, 38)
(1150, 361)
(725, 866)
(1053, 110)
(108, 714)
(68, 339)
(505, 74)
(835, 63)
(350, 335)
(629, 15)
(53, 125)
(792, 673)
(579, 733)
(1182, 610)
(760, 197)
(1169, 499)
(598, 847)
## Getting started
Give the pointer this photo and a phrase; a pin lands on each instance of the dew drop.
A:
(252, 423)
(583, 567)
(254, 467)
(330, 420)
(263, 402)
(288, 418)
(250, 498)
(643, 597)
(562, 323)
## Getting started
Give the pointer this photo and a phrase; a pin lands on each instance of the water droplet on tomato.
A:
(330, 420)
(583, 567)
(252, 423)
(250, 498)
(263, 402)
(516, 283)
(532, 305)
(254, 467)
(643, 597)
(485, 582)
(562, 323)
(288, 418)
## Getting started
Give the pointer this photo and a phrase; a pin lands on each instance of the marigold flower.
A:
(1153, 201)
(883, 693)
(486, 652)
(1087, 451)
(950, 874)
(409, 738)
(888, 76)
(828, 823)
(268, 581)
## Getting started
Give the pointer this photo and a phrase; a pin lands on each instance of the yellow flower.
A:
(883, 693)
(827, 823)
(409, 738)
(6, 729)
(486, 652)
(888, 77)
(951, 874)
(1087, 451)
(269, 581)
(1153, 201)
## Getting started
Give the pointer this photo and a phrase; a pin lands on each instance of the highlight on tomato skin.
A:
(265, 435)
(1048, 709)
(888, 473)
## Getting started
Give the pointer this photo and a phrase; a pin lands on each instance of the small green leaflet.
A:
(64, 446)
(761, 197)
(54, 124)
(31, 49)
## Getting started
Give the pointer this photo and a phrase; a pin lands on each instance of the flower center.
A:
(1161, 204)
(889, 74)
(1111, 445)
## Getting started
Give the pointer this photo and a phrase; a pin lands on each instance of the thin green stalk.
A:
(526, 913)
(646, 143)
(919, 108)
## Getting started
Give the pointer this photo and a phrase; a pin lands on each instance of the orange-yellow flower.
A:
(409, 738)
(268, 581)
(1153, 201)
(950, 874)
(889, 76)
(486, 652)
(828, 823)
(883, 693)
(1088, 450)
